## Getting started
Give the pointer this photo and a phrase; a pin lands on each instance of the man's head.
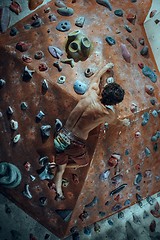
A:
(112, 94)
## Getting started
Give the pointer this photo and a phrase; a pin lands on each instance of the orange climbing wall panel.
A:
(84, 189)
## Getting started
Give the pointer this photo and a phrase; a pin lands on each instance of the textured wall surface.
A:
(100, 190)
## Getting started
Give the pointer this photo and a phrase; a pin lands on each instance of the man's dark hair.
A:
(112, 94)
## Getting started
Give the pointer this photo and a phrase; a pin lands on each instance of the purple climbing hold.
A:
(105, 3)
(126, 55)
(80, 87)
(55, 51)
(149, 73)
(149, 89)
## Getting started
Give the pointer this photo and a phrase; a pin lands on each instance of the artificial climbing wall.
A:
(124, 165)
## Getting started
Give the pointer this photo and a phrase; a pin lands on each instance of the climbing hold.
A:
(141, 41)
(110, 80)
(127, 202)
(92, 203)
(149, 89)
(47, 10)
(138, 197)
(145, 214)
(61, 79)
(65, 11)
(43, 161)
(32, 178)
(136, 219)
(144, 51)
(80, 87)
(97, 227)
(26, 59)
(149, 73)
(116, 207)
(27, 26)
(78, 46)
(39, 55)
(27, 74)
(4, 18)
(39, 116)
(112, 162)
(110, 222)
(126, 55)
(117, 179)
(45, 131)
(128, 28)
(80, 21)
(145, 117)
(84, 215)
(87, 230)
(152, 226)
(131, 18)
(137, 134)
(23, 46)
(60, 4)
(13, 31)
(88, 72)
(44, 85)
(154, 113)
(10, 176)
(14, 125)
(141, 65)
(64, 214)
(52, 18)
(15, 7)
(138, 178)
(69, 61)
(110, 41)
(105, 3)
(153, 101)
(150, 200)
(127, 152)
(65, 182)
(43, 67)
(132, 42)
(102, 214)
(119, 189)
(9, 110)
(44, 173)
(24, 106)
(63, 26)
(27, 166)
(118, 12)
(43, 201)
(104, 176)
(55, 51)
(120, 215)
(2, 82)
(27, 192)
(58, 66)
(147, 152)
(152, 13)
(16, 138)
(37, 22)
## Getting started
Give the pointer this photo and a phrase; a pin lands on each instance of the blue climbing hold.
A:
(149, 73)
(80, 87)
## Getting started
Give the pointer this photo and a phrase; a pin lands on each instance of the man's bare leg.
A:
(58, 180)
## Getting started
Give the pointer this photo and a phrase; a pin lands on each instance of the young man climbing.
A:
(95, 107)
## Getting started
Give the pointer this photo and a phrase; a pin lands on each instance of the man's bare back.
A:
(88, 114)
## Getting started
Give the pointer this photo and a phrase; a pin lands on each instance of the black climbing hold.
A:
(37, 22)
(92, 203)
(45, 85)
(24, 106)
(87, 230)
(128, 28)
(27, 74)
(43, 161)
(138, 178)
(9, 110)
(117, 190)
(144, 51)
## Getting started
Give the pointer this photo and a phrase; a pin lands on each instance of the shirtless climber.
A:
(95, 107)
